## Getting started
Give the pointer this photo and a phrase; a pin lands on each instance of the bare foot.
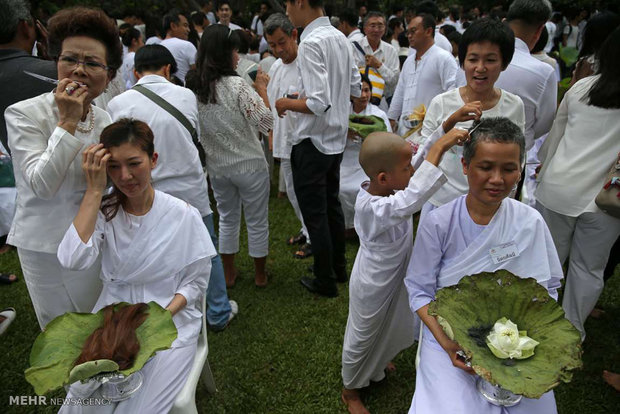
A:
(390, 367)
(612, 379)
(597, 313)
(351, 398)
(260, 280)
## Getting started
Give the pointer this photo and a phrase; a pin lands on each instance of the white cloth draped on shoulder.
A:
(149, 258)
(379, 324)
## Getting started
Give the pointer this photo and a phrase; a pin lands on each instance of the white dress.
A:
(448, 246)
(149, 258)
(380, 325)
(351, 173)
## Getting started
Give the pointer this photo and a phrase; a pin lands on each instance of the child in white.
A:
(380, 324)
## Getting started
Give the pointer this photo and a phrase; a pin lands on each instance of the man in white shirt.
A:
(178, 171)
(532, 80)
(428, 72)
(377, 58)
(207, 8)
(328, 77)
(283, 80)
(429, 7)
(257, 22)
(224, 13)
(176, 27)
(348, 25)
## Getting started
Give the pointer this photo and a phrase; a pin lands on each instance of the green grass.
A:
(282, 352)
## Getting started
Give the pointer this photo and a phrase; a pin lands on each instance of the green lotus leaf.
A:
(56, 349)
(91, 368)
(365, 125)
(473, 306)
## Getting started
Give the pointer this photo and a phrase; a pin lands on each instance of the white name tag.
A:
(504, 252)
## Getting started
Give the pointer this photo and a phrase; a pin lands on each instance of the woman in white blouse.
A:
(485, 50)
(579, 152)
(46, 135)
(351, 173)
(153, 247)
(231, 114)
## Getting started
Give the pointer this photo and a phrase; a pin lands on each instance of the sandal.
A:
(5, 279)
(304, 251)
(297, 239)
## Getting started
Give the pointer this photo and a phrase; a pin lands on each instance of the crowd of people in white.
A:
(115, 139)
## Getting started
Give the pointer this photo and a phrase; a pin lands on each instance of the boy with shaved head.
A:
(380, 323)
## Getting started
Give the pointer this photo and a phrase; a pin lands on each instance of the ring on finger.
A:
(70, 89)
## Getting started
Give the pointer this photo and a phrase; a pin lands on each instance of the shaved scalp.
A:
(380, 152)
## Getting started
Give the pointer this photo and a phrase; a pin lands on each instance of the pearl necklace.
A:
(91, 122)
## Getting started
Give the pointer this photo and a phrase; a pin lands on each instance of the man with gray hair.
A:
(281, 36)
(377, 59)
(18, 33)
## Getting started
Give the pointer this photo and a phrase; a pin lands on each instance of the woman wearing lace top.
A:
(231, 114)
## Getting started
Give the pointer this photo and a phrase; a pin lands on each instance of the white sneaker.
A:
(234, 310)
(9, 315)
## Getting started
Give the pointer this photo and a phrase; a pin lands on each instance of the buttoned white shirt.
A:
(535, 83)
(283, 79)
(47, 161)
(420, 81)
(178, 171)
(328, 76)
(387, 55)
(184, 54)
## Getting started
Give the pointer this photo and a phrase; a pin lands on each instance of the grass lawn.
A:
(282, 352)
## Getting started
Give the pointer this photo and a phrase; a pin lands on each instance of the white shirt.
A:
(420, 81)
(355, 36)
(573, 34)
(153, 40)
(178, 171)
(47, 162)
(578, 153)
(184, 53)
(257, 25)
(551, 28)
(231, 25)
(441, 107)
(442, 41)
(328, 77)
(534, 82)
(387, 55)
(211, 17)
(127, 70)
(283, 76)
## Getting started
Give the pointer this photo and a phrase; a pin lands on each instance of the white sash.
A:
(513, 222)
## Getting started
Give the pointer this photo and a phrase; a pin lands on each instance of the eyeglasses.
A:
(70, 62)
(376, 26)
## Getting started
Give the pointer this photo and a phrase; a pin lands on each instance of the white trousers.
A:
(55, 290)
(587, 240)
(252, 191)
(164, 376)
(287, 172)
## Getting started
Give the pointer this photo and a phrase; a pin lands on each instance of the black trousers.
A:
(316, 178)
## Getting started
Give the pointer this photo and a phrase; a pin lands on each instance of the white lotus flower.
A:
(506, 341)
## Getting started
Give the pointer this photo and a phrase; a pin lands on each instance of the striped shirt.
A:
(328, 76)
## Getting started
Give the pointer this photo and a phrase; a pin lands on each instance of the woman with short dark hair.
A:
(47, 135)
(485, 50)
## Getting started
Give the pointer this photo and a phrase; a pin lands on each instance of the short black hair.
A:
(428, 22)
(491, 30)
(171, 17)
(542, 41)
(531, 12)
(447, 29)
(428, 7)
(366, 79)
(151, 58)
(130, 34)
(223, 2)
(314, 4)
(349, 16)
